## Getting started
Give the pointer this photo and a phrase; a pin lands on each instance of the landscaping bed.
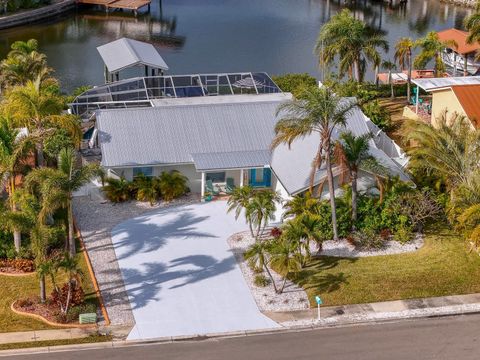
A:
(17, 266)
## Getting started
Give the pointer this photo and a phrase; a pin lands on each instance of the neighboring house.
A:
(219, 137)
(459, 95)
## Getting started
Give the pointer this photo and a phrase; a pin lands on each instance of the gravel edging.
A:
(293, 297)
(95, 219)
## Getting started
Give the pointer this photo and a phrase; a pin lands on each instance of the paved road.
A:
(444, 338)
(180, 274)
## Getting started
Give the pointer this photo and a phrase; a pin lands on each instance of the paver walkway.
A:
(180, 274)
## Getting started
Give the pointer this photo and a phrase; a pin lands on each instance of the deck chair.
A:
(209, 187)
(229, 187)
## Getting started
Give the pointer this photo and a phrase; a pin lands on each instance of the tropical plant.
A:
(56, 188)
(117, 190)
(293, 83)
(284, 259)
(318, 111)
(403, 55)
(40, 111)
(14, 152)
(472, 24)
(261, 210)
(300, 204)
(389, 66)
(257, 253)
(239, 201)
(378, 114)
(355, 151)
(431, 48)
(145, 189)
(172, 184)
(352, 41)
(68, 265)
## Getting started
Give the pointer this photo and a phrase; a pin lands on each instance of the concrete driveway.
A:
(180, 275)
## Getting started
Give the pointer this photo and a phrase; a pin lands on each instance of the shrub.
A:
(117, 190)
(378, 114)
(276, 232)
(294, 82)
(261, 281)
(368, 239)
(60, 139)
(172, 184)
(253, 266)
(144, 189)
(77, 297)
(23, 303)
(404, 231)
(75, 311)
(24, 265)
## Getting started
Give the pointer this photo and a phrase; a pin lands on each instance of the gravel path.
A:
(96, 218)
(293, 297)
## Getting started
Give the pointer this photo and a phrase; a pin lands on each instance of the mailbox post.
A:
(319, 302)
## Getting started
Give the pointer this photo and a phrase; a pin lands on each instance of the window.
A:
(217, 177)
(147, 171)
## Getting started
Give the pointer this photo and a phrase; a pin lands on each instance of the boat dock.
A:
(134, 5)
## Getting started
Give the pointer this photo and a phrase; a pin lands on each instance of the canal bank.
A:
(36, 15)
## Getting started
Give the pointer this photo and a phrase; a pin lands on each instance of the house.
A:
(459, 95)
(215, 138)
(461, 56)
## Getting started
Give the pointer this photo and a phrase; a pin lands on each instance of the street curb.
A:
(206, 337)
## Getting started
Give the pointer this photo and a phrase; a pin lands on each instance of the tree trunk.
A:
(354, 197)
(17, 235)
(17, 239)
(69, 296)
(271, 278)
(43, 295)
(71, 234)
(357, 70)
(331, 191)
(392, 94)
(315, 165)
(283, 285)
(40, 155)
(409, 76)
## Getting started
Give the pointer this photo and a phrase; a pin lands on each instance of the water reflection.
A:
(202, 36)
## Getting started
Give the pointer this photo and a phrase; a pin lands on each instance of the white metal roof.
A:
(122, 53)
(430, 84)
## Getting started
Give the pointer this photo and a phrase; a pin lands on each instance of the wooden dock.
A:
(134, 5)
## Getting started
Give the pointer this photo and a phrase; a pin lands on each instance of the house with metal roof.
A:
(220, 139)
(459, 95)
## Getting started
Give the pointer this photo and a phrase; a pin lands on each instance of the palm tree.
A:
(14, 152)
(450, 149)
(24, 63)
(261, 210)
(239, 201)
(390, 66)
(57, 186)
(472, 24)
(317, 111)
(284, 259)
(301, 204)
(356, 153)
(431, 48)
(352, 41)
(117, 190)
(258, 253)
(69, 265)
(403, 54)
(171, 184)
(40, 111)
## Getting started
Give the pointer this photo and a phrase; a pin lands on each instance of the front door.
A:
(260, 177)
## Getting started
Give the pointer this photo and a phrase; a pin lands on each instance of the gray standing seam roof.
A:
(124, 52)
(429, 84)
(231, 160)
(173, 134)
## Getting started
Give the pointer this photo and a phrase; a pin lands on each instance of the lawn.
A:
(441, 267)
(13, 288)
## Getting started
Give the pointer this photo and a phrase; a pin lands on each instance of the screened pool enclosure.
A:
(139, 92)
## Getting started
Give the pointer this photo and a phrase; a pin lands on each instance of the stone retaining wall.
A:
(34, 15)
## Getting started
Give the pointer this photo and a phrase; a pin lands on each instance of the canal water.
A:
(209, 36)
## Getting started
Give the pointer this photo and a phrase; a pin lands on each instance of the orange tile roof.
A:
(469, 98)
(460, 38)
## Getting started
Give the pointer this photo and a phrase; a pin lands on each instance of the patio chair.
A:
(229, 187)
(210, 188)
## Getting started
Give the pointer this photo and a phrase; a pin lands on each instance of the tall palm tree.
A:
(355, 151)
(316, 111)
(239, 201)
(40, 111)
(403, 54)
(472, 24)
(261, 210)
(56, 187)
(352, 41)
(389, 66)
(431, 48)
(14, 152)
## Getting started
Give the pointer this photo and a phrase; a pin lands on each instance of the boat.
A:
(462, 56)
(457, 61)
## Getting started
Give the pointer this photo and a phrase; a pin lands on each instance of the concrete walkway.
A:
(42, 335)
(180, 274)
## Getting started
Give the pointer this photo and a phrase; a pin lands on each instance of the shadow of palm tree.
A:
(142, 234)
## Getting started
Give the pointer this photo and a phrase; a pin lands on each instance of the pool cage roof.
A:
(138, 92)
